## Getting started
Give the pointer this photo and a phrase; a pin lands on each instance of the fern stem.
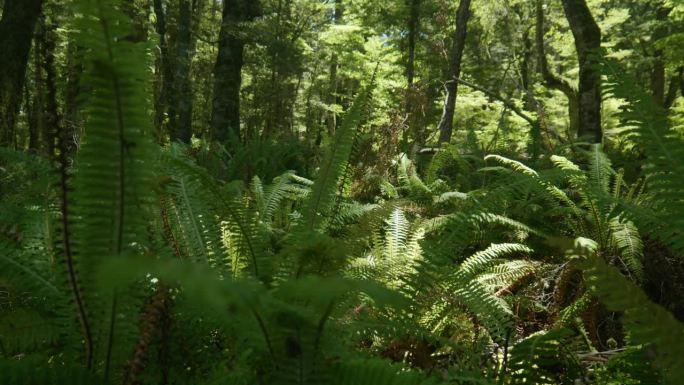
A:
(168, 232)
(262, 327)
(68, 255)
(321, 325)
(110, 337)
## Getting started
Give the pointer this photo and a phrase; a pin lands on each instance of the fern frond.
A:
(239, 224)
(625, 238)
(600, 170)
(492, 310)
(647, 323)
(31, 370)
(542, 359)
(507, 273)
(484, 259)
(648, 129)
(372, 372)
(112, 186)
(322, 197)
(513, 164)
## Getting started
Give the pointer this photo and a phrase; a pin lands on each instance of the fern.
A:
(241, 228)
(31, 371)
(646, 323)
(482, 302)
(647, 129)
(111, 190)
(322, 197)
(543, 359)
(370, 372)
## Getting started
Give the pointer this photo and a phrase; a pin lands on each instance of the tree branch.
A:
(508, 103)
(550, 79)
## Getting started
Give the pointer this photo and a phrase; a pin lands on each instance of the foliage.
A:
(331, 239)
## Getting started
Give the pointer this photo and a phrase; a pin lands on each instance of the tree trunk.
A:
(588, 45)
(72, 124)
(52, 120)
(333, 98)
(18, 22)
(446, 122)
(412, 33)
(163, 80)
(551, 80)
(525, 70)
(35, 100)
(225, 119)
(183, 84)
(658, 70)
(675, 83)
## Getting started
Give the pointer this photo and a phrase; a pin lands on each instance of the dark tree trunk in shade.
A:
(34, 101)
(225, 119)
(550, 79)
(18, 22)
(163, 80)
(446, 121)
(414, 13)
(183, 84)
(51, 114)
(588, 45)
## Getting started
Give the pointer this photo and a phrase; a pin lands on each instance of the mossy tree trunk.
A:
(588, 45)
(447, 120)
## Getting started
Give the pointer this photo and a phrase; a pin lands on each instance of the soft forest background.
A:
(342, 192)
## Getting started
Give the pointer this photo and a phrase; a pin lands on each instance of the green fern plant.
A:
(647, 129)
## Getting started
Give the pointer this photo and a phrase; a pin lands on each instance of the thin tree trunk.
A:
(525, 70)
(675, 82)
(52, 116)
(588, 45)
(225, 119)
(183, 84)
(17, 25)
(551, 80)
(410, 98)
(333, 97)
(446, 122)
(164, 81)
(658, 70)
(73, 89)
(35, 101)
(412, 33)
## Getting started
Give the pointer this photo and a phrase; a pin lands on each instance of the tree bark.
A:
(446, 121)
(551, 80)
(18, 22)
(35, 102)
(588, 45)
(163, 80)
(183, 84)
(51, 115)
(72, 121)
(414, 13)
(333, 98)
(675, 83)
(225, 120)
(658, 70)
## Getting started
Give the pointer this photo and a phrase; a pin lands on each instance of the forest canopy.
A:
(342, 192)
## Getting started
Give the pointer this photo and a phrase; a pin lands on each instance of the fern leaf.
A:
(646, 322)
